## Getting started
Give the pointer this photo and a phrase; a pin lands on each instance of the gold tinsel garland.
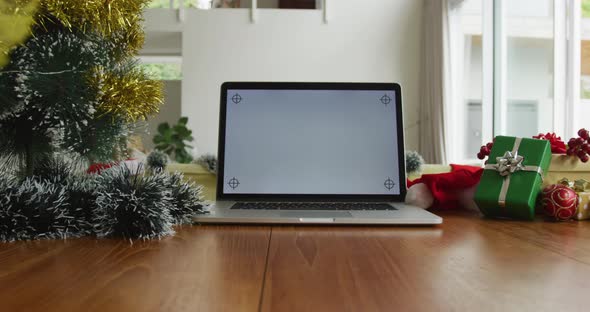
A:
(131, 96)
(16, 17)
(118, 20)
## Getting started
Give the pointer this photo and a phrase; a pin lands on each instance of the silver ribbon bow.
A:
(508, 164)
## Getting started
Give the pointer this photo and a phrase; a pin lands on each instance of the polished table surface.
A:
(466, 264)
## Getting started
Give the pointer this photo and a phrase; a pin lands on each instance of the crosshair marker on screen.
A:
(233, 183)
(236, 98)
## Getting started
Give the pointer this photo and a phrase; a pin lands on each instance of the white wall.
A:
(364, 41)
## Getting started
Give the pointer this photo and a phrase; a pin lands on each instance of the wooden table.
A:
(467, 264)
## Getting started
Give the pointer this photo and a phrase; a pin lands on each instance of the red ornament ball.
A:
(559, 202)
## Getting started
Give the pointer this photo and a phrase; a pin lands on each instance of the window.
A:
(162, 68)
(525, 105)
(163, 71)
(518, 67)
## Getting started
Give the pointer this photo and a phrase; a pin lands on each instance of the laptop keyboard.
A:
(312, 206)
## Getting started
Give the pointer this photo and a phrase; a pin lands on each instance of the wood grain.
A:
(202, 268)
(467, 264)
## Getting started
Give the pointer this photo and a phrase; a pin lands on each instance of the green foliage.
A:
(72, 85)
(48, 103)
(102, 139)
(165, 71)
(172, 140)
(586, 8)
(155, 4)
(53, 169)
(585, 87)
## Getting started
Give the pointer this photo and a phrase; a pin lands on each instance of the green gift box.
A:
(513, 177)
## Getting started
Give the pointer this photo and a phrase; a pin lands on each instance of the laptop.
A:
(312, 153)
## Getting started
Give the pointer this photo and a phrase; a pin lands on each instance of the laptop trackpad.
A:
(314, 214)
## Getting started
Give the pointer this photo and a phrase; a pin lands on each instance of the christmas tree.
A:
(71, 95)
(73, 87)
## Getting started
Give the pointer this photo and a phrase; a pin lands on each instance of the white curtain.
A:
(435, 80)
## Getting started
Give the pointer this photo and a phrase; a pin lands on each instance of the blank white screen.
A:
(311, 142)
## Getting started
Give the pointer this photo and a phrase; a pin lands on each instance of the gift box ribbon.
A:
(509, 164)
(580, 185)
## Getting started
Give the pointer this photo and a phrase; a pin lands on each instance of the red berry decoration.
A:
(559, 202)
(485, 151)
(580, 146)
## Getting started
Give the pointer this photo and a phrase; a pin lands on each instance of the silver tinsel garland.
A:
(35, 210)
(157, 161)
(209, 162)
(186, 198)
(132, 206)
(414, 162)
(58, 202)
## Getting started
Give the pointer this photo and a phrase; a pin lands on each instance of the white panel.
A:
(500, 68)
(162, 43)
(529, 8)
(161, 20)
(370, 41)
(560, 66)
(487, 86)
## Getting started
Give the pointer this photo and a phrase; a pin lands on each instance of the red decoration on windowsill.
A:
(98, 168)
(580, 146)
(133, 164)
(447, 191)
(557, 145)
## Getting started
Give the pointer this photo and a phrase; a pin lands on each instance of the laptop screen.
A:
(301, 141)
